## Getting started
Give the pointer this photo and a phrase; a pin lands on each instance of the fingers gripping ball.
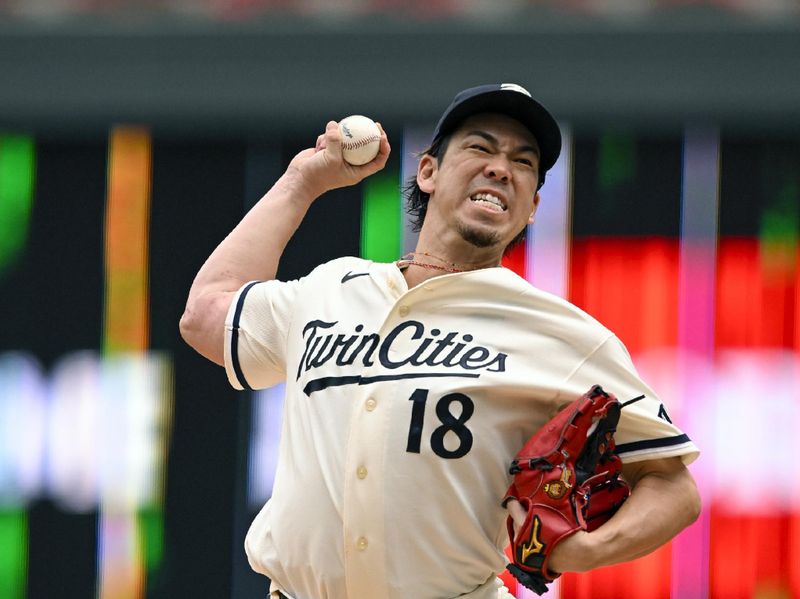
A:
(567, 477)
(361, 139)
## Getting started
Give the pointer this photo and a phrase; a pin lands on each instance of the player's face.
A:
(484, 188)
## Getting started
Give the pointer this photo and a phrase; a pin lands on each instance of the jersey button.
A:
(391, 284)
(404, 310)
(370, 404)
(361, 472)
(361, 544)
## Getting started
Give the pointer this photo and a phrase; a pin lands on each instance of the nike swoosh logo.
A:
(351, 275)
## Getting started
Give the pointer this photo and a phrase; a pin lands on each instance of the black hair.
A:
(417, 200)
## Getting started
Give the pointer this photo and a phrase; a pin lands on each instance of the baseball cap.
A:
(512, 100)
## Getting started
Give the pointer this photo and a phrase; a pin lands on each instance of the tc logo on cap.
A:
(513, 87)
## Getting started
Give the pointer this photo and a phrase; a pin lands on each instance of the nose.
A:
(498, 169)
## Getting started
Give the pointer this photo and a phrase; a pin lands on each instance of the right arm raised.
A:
(253, 249)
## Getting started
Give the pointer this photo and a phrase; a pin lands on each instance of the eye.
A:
(479, 147)
(529, 162)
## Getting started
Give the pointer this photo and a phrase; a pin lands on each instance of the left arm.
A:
(663, 501)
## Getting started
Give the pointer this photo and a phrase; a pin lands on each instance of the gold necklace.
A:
(410, 259)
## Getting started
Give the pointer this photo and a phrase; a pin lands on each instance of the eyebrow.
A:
(493, 140)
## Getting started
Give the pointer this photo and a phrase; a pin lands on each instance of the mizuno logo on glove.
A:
(535, 545)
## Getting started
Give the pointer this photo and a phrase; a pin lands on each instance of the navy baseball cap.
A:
(512, 100)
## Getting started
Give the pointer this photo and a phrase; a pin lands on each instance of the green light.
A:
(381, 232)
(16, 195)
(780, 224)
(616, 160)
(151, 532)
(13, 553)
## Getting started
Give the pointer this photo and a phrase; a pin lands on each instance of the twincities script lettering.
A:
(408, 344)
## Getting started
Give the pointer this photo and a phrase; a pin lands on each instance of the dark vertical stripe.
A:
(52, 306)
(205, 173)
(237, 367)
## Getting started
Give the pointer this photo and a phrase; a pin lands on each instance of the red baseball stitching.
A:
(353, 145)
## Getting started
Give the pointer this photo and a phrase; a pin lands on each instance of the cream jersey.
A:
(403, 410)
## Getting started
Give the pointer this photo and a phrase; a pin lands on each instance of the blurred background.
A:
(134, 135)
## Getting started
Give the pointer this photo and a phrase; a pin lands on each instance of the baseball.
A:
(361, 139)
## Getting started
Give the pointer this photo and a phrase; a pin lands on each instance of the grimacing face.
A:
(484, 189)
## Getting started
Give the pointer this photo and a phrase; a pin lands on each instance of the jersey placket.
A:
(365, 482)
(364, 550)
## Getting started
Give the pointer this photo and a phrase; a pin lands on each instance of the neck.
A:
(450, 247)
(420, 265)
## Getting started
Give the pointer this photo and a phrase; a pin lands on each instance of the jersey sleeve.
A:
(645, 430)
(256, 330)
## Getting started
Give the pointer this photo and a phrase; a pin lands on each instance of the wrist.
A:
(573, 554)
(298, 187)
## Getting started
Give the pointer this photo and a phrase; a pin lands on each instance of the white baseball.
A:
(361, 139)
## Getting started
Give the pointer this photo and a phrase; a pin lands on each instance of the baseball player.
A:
(410, 386)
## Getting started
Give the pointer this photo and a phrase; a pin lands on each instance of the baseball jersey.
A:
(403, 409)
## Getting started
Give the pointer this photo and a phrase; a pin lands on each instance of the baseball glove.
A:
(568, 478)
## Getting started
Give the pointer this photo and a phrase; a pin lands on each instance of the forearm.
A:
(251, 251)
(661, 504)
(254, 247)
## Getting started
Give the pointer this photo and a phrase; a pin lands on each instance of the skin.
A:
(488, 153)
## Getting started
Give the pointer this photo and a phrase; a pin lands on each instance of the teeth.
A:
(488, 199)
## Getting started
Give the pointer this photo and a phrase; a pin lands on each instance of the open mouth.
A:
(489, 201)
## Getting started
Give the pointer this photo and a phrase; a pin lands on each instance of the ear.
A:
(426, 173)
(536, 199)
